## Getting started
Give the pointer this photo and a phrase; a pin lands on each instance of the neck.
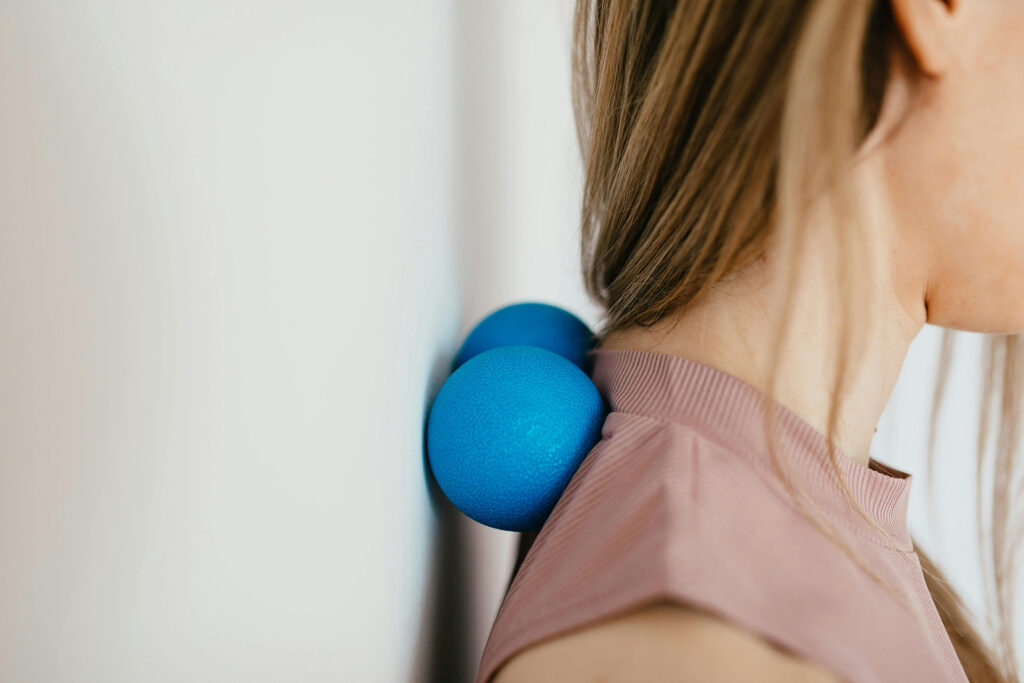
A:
(731, 326)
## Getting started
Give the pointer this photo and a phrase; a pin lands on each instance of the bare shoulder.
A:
(658, 642)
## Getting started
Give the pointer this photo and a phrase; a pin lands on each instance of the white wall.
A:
(228, 282)
(240, 242)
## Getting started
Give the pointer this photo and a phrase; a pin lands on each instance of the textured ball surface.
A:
(530, 324)
(507, 431)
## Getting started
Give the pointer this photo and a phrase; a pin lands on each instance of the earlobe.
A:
(926, 29)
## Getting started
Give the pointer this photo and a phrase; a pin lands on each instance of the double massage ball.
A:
(516, 416)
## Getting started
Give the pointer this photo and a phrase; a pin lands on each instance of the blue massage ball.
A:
(530, 324)
(508, 430)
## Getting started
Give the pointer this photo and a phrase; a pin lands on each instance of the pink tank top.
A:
(679, 501)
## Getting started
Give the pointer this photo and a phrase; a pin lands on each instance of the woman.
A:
(779, 194)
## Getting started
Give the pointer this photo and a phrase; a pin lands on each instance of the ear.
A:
(927, 29)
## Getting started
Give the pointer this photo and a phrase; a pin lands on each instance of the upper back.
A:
(678, 502)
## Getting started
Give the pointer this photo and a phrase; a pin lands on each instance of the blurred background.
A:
(240, 242)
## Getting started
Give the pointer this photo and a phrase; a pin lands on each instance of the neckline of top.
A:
(689, 392)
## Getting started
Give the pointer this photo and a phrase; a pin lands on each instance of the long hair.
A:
(707, 128)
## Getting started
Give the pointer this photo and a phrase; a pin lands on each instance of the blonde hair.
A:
(707, 129)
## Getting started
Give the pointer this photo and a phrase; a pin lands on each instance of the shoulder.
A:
(652, 642)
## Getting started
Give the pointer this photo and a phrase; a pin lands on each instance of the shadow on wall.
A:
(445, 652)
(467, 575)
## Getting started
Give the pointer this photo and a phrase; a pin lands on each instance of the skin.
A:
(664, 642)
(942, 176)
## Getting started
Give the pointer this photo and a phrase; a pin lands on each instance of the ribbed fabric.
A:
(679, 501)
